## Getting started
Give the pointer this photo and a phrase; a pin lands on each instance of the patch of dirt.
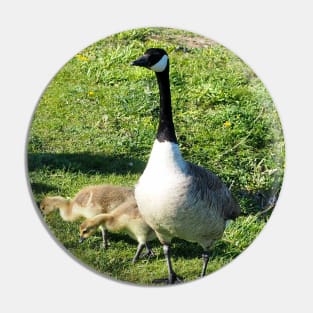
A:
(193, 41)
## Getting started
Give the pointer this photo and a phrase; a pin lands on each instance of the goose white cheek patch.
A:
(161, 65)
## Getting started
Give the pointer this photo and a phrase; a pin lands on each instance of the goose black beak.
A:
(142, 61)
(81, 239)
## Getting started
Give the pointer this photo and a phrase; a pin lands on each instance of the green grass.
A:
(96, 122)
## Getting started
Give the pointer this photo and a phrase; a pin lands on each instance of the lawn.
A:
(96, 121)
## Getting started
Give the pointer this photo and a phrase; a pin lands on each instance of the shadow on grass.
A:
(259, 201)
(95, 242)
(188, 250)
(45, 188)
(180, 248)
(85, 162)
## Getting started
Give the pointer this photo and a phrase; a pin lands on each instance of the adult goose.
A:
(175, 197)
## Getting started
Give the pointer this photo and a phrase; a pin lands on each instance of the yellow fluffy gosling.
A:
(125, 217)
(88, 202)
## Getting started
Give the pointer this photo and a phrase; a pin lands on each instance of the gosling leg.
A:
(149, 252)
(138, 252)
(104, 233)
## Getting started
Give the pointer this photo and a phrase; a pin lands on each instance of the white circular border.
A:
(273, 38)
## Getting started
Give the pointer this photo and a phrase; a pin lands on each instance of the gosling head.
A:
(155, 59)
(86, 229)
(46, 206)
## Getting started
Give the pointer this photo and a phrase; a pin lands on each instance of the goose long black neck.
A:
(166, 130)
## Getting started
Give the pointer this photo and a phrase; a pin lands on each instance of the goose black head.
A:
(155, 59)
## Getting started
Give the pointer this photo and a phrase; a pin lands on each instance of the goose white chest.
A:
(162, 189)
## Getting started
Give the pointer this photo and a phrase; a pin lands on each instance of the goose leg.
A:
(139, 250)
(104, 237)
(205, 257)
(172, 277)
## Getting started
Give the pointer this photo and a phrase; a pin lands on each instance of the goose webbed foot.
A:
(171, 280)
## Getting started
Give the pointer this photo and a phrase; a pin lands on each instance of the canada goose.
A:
(88, 202)
(175, 197)
(125, 217)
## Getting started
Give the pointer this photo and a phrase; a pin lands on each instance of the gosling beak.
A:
(142, 61)
(81, 239)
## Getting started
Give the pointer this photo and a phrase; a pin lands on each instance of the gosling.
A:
(88, 202)
(125, 217)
